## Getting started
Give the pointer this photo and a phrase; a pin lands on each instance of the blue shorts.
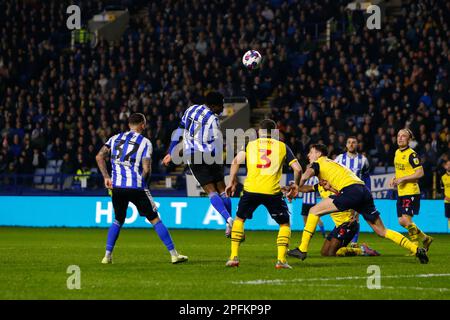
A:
(344, 233)
(275, 204)
(409, 205)
(447, 210)
(358, 198)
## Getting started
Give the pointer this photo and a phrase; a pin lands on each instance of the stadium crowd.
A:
(62, 103)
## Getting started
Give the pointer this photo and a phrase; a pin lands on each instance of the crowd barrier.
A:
(182, 213)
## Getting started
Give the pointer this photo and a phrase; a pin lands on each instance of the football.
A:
(252, 59)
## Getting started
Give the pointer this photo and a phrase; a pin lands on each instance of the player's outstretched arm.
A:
(294, 187)
(237, 161)
(101, 162)
(305, 189)
(306, 175)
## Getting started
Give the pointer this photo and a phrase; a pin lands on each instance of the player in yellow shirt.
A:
(264, 159)
(346, 226)
(353, 194)
(445, 183)
(408, 171)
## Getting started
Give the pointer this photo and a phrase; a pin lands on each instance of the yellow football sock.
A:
(349, 252)
(308, 231)
(415, 233)
(283, 242)
(401, 240)
(449, 224)
(237, 234)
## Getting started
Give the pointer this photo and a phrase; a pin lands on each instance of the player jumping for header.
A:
(200, 131)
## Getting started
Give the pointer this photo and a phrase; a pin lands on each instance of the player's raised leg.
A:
(379, 228)
(319, 224)
(220, 186)
(219, 204)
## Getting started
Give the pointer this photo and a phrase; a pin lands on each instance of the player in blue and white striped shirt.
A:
(309, 200)
(357, 163)
(200, 130)
(131, 163)
(128, 149)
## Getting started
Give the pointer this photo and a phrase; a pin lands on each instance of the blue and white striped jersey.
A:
(310, 197)
(358, 164)
(201, 129)
(128, 149)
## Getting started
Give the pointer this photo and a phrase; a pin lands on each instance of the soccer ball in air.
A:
(252, 59)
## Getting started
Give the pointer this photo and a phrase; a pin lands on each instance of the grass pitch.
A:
(34, 262)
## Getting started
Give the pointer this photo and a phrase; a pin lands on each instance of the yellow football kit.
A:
(356, 196)
(406, 163)
(445, 181)
(336, 174)
(265, 158)
(446, 185)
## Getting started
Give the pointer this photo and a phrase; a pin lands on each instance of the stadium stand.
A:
(58, 105)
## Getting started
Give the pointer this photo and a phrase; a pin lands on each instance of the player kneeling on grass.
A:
(353, 194)
(264, 159)
(131, 164)
(346, 227)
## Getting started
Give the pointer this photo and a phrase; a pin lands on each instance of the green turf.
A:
(33, 265)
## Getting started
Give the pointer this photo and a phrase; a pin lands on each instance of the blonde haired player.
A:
(264, 159)
(408, 171)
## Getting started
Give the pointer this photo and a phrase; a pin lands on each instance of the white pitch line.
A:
(279, 281)
(382, 287)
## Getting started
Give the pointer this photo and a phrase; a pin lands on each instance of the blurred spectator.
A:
(67, 169)
(37, 159)
(370, 83)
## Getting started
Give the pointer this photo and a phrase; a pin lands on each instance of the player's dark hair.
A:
(268, 124)
(214, 99)
(352, 137)
(136, 119)
(323, 149)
